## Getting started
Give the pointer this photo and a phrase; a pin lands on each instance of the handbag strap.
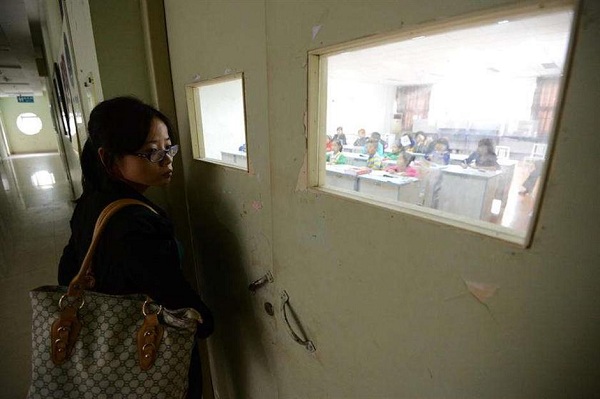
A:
(84, 279)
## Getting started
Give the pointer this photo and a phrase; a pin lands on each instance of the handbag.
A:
(92, 345)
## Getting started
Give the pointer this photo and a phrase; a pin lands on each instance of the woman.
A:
(485, 156)
(130, 148)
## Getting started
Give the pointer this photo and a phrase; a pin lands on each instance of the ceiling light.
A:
(504, 21)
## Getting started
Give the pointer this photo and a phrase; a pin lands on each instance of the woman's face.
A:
(336, 148)
(140, 172)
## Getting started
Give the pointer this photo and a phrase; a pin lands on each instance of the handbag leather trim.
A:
(149, 337)
(63, 335)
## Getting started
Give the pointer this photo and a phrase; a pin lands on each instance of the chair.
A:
(502, 152)
(538, 152)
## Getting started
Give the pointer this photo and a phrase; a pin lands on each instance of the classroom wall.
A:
(382, 295)
(19, 143)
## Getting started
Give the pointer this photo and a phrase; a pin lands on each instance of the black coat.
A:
(137, 253)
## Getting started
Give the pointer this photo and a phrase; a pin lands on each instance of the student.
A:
(329, 144)
(405, 143)
(420, 143)
(403, 165)
(376, 138)
(340, 136)
(130, 148)
(374, 160)
(440, 154)
(362, 139)
(336, 157)
(484, 157)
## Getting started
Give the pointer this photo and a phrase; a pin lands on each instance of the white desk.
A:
(353, 148)
(235, 157)
(468, 192)
(356, 159)
(389, 186)
(340, 177)
(458, 158)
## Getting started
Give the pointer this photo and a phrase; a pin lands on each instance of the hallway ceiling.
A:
(22, 64)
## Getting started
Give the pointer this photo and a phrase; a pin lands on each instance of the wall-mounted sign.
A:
(25, 99)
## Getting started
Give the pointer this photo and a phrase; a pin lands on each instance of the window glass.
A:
(453, 124)
(29, 123)
(217, 120)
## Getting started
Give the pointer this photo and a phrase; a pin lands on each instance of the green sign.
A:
(25, 99)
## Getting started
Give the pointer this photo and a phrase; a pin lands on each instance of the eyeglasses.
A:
(158, 155)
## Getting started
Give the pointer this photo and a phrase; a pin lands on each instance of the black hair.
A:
(407, 156)
(444, 142)
(487, 143)
(376, 135)
(120, 126)
(338, 142)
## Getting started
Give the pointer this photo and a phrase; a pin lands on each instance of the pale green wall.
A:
(381, 294)
(120, 50)
(19, 143)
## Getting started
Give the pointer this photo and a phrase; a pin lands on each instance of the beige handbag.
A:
(91, 345)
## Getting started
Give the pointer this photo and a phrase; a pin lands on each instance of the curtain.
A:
(412, 102)
(544, 103)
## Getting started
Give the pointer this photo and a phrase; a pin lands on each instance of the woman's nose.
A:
(167, 160)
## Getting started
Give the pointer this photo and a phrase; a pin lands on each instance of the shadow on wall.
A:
(235, 347)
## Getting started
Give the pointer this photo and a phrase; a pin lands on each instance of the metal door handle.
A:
(267, 278)
(285, 300)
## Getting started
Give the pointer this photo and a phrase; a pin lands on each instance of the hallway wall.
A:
(19, 143)
(382, 294)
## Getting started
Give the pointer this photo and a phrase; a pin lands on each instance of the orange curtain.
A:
(413, 101)
(544, 103)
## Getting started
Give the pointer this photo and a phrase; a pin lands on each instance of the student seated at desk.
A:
(374, 161)
(336, 157)
(484, 157)
(440, 154)
(362, 139)
(393, 153)
(376, 138)
(405, 143)
(403, 165)
(420, 143)
(340, 136)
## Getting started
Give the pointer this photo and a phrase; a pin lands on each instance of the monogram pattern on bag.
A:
(104, 363)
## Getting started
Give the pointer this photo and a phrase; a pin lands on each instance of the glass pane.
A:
(457, 122)
(222, 121)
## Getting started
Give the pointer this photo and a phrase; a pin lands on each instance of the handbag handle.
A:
(84, 279)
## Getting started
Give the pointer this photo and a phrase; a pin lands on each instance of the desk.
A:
(353, 148)
(235, 157)
(468, 192)
(457, 159)
(356, 159)
(389, 186)
(338, 176)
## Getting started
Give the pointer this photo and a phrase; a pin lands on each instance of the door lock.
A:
(267, 278)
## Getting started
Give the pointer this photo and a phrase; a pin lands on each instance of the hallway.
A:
(35, 208)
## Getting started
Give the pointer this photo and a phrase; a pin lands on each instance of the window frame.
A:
(317, 113)
(195, 120)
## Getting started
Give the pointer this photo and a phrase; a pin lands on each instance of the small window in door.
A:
(217, 117)
(452, 122)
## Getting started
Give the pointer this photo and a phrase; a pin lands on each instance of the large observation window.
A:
(218, 121)
(453, 122)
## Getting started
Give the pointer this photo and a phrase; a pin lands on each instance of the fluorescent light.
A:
(504, 21)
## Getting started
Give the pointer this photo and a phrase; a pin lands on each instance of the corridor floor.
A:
(35, 208)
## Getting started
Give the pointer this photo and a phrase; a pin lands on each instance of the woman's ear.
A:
(114, 170)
